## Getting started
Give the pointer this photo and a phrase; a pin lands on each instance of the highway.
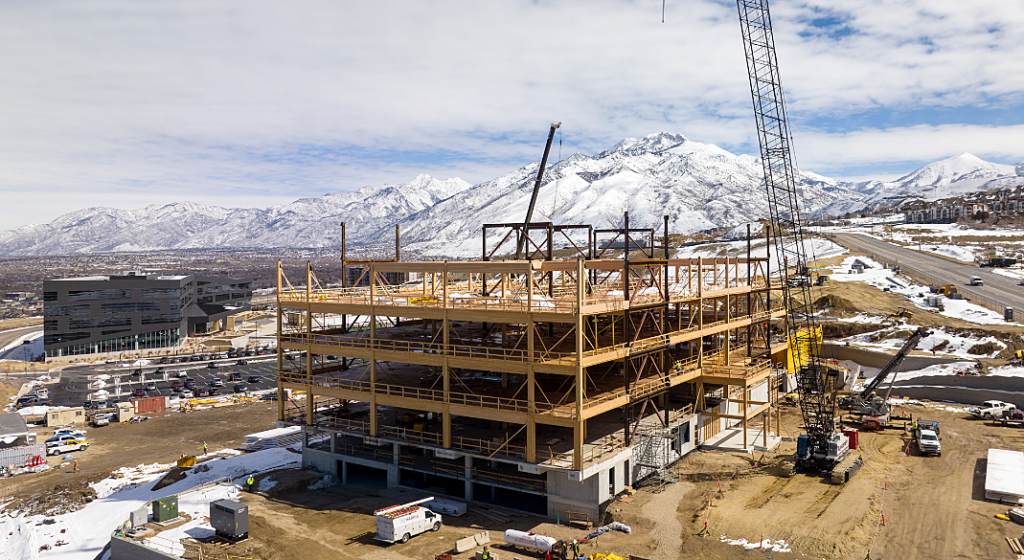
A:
(997, 287)
(9, 336)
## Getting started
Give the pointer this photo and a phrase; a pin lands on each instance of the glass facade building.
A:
(100, 314)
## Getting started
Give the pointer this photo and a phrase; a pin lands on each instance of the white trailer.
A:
(402, 522)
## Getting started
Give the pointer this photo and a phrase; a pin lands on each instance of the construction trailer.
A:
(541, 384)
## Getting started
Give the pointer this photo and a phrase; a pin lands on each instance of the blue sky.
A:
(254, 103)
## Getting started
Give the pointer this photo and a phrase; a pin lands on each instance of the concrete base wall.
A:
(127, 549)
(965, 390)
(875, 359)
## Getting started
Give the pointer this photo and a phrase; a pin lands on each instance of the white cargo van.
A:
(400, 523)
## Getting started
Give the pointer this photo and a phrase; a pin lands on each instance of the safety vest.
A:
(251, 481)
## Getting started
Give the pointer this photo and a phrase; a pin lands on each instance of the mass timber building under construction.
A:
(543, 384)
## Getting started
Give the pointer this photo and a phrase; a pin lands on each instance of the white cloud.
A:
(250, 103)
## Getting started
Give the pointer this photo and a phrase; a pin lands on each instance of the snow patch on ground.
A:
(766, 544)
(88, 530)
(955, 345)
(918, 294)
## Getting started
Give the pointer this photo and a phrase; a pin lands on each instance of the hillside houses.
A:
(1002, 203)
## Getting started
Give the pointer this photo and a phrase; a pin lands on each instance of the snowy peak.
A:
(959, 168)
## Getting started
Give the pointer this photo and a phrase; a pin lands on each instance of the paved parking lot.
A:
(73, 388)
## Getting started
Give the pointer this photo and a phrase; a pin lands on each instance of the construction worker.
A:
(486, 554)
(575, 549)
(204, 448)
(250, 482)
(75, 468)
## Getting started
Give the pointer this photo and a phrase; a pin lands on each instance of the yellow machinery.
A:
(903, 313)
(948, 290)
(187, 461)
(1018, 358)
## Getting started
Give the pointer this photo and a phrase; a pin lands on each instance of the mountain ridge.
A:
(698, 185)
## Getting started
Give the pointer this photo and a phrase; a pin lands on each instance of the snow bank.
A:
(916, 294)
(88, 530)
(765, 544)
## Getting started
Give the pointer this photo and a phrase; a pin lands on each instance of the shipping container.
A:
(149, 404)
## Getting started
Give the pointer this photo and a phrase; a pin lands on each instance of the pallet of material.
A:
(1004, 476)
(278, 437)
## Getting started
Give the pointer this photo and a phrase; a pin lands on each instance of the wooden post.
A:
(373, 349)
(744, 414)
(310, 398)
(578, 428)
(280, 350)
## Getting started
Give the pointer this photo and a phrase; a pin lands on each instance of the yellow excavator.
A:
(902, 313)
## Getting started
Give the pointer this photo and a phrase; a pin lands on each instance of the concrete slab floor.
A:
(731, 439)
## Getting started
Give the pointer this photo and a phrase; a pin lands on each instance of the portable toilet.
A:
(1008, 313)
(165, 509)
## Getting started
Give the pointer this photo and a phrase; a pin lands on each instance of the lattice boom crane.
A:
(823, 447)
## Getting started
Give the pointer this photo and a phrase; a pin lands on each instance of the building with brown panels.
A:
(540, 384)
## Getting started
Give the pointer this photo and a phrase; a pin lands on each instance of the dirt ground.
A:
(163, 438)
(933, 508)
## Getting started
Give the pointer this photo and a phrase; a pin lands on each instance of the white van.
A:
(400, 523)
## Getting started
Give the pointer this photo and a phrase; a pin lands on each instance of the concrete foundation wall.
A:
(875, 359)
(965, 390)
(127, 549)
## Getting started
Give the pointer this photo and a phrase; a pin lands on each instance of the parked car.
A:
(214, 391)
(212, 365)
(202, 392)
(139, 393)
(137, 372)
(96, 405)
(241, 362)
(217, 382)
(182, 373)
(177, 389)
(190, 383)
(158, 371)
(61, 437)
(175, 384)
(186, 394)
(241, 388)
(87, 405)
(196, 358)
(164, 360)
(254, 379)
(151, 386)
(250, 352)
(99, 420)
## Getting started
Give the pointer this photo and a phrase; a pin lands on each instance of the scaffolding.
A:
(548, 361)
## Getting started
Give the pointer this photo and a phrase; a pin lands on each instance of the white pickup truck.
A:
(990, 410)
(66, 446)
(927, 436)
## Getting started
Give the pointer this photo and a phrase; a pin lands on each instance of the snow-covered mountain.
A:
(953, 176)
(699, 186)
(307, 222)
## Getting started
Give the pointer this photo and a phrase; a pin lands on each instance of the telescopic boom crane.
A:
(536, 190)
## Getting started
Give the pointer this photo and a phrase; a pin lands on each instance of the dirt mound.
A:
(63, 498)
(983, 348)
(835, 303)
(843, 329)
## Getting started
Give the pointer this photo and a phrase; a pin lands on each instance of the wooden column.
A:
(531, 398)
(744, 414)
(310, 397)
(280, 350)
(578, 429)
(446, 431)
(373, 350)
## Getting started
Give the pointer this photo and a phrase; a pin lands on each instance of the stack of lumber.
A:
(278, 437)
